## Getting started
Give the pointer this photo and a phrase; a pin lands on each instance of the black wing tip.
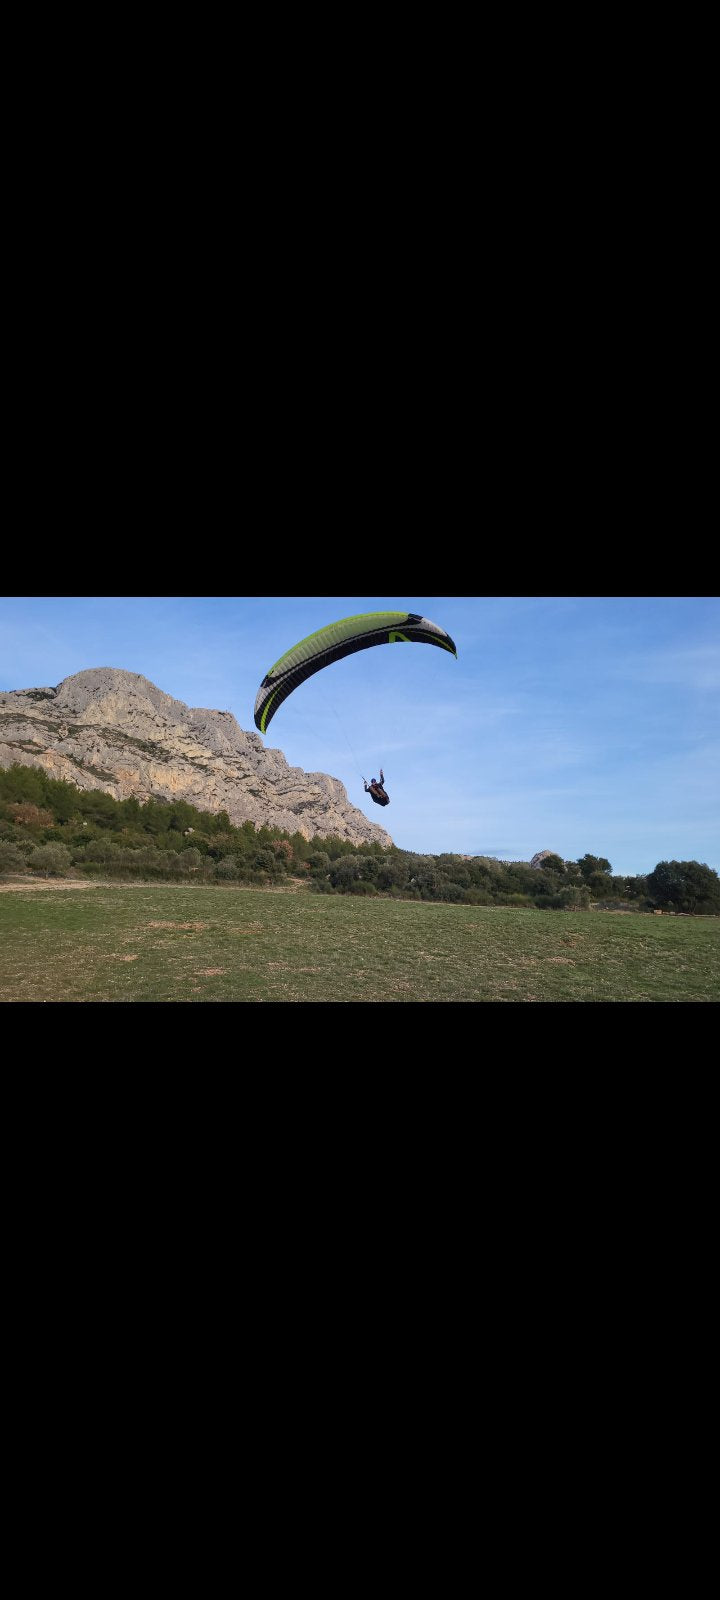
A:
(414, 617)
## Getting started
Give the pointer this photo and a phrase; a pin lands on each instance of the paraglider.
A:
(332, 643)
(377, 790)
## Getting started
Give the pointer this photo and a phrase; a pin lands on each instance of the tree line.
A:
(50, 827)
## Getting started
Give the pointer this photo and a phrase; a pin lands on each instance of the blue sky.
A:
(569, 724)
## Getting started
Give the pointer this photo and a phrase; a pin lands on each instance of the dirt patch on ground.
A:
(48, 883)
(289, 886)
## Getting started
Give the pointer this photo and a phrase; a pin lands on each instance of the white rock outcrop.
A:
(114, 730)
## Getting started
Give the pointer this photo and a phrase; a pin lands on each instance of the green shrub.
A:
(227, 869)
(52, 859)
(11, 858)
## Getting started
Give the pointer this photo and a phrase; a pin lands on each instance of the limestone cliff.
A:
(113, 730)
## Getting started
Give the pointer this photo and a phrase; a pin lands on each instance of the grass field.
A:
(164, 942)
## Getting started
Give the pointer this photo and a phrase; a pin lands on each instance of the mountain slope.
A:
(114, 730)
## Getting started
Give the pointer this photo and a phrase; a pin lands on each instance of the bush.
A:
(96, 850)
(453, 893)
(577, 899)
(391, 874)
(32, 816)
(52, 859)
(554, 864)
(344, 872)
(11, 858)
(192, 860)
(227, 869)
(686, 886)
(368, 866)
(265, 861)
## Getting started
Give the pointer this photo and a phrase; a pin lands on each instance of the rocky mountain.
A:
(113, 730)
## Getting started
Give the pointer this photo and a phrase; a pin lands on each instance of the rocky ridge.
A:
(114, 730)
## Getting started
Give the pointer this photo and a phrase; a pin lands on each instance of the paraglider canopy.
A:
(340, 639)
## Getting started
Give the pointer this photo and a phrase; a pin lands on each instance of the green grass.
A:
(166, 942)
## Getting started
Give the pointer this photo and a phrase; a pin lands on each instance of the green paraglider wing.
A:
(340, 639)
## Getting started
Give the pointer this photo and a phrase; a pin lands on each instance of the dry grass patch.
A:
(48, 883)
(198, 927)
